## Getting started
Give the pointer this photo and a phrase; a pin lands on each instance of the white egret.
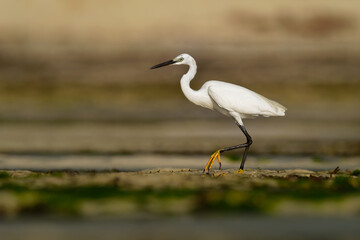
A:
(229, 99)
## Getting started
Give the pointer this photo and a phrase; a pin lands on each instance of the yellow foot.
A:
(239, 171)
(215, 155)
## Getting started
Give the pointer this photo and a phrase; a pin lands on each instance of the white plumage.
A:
(234, 98)
(229, 99)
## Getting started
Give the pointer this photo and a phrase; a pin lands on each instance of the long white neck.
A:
(189, 93)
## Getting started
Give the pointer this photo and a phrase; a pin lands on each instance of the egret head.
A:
(181, 59)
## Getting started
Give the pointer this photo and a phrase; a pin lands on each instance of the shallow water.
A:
(207, 227)
(136, 162)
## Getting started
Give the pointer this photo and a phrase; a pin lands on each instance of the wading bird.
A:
(229, 99)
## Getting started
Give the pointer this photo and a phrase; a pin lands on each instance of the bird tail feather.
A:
(279, 109)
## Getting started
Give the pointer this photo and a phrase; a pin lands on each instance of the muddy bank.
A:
(179, 192)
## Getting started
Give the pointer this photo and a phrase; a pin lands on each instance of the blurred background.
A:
(76, 93)
(75, 78)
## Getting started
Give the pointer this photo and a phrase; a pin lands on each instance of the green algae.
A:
(64, 193)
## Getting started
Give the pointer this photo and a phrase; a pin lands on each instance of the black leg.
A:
(217, 153)
(244, 145)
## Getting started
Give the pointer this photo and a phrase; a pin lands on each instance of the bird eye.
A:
(181, 59)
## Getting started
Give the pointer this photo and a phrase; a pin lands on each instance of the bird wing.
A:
(234, 98)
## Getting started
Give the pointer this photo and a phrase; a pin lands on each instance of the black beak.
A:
(163, 64)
